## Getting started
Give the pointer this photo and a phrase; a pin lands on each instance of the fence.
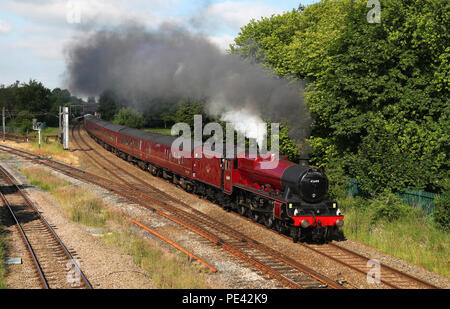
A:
(416, 198)
(16, 137)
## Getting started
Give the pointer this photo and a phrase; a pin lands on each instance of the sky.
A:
(35, 33)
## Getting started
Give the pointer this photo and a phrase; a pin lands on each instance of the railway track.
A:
(288, 272)
(240, 245)
(54, 264)
(389, 276)
(267, 260)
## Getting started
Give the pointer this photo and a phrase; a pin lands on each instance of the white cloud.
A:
(223, 41)
(91, 12)
(235, 14)
(5, 27)
(42, 47)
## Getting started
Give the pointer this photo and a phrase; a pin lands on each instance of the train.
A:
(289, 198)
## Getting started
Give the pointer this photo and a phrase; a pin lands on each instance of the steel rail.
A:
(93, 159)
(174, 244)
(336, 259)
(390, 269)
(27, 243)
(383, 267)
(206, 220)
(124, 191)
(12, 181)
(322, 253)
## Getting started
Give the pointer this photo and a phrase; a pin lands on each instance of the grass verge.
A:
(168, 270)
(5, 156)
(2, 261)
(401, 231)
(163, 131)
(52, 148)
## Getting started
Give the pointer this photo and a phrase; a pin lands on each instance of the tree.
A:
(108, 106)
(186, 111)
(59, 97)
(130, 118)
(378, 93)
(25, 101)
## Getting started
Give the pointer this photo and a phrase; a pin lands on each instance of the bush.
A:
(338, 183)
(130, 118)
(387, 206)
(23, 122)
(353, 204)
(441, 215)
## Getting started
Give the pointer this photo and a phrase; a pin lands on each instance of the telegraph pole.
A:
(3, 122)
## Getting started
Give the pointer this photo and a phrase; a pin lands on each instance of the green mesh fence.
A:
(352, 188)
(416, 198)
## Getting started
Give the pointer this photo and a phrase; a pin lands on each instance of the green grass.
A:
(5, 156)
(412, 237)
(79, 204)
(45, 132)
(160, 130)
(52, 148)
(43, 179)
(166, 270)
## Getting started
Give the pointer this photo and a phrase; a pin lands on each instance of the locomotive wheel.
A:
(254, 215)
(242, 210)
(279, 227)
(268, 221)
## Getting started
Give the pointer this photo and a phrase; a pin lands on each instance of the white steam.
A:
(247, 123)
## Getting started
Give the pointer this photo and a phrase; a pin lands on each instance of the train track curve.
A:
(288, 272)
(391, 277)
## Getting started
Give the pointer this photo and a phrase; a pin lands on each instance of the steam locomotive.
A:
(290, 198)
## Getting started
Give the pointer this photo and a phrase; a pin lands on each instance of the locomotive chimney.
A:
(304, 160)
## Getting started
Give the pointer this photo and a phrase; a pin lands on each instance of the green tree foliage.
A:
(23, 122)
(186, 111)
(108, 105)
(378, 93)
(130, 118)
(25, 101)
(60, 97)
(287, 147)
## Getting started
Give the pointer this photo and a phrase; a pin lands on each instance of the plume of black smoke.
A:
(144, 67)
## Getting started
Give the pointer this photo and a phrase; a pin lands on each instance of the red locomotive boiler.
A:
(290, 198)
